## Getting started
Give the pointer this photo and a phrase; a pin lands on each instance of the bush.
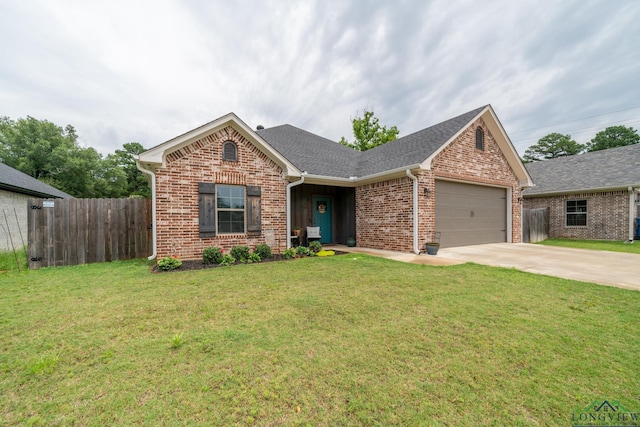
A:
(263, 250)
(240, 253)
(302, 250)
(169, 263)
(315, 246)
(212, 255)
(289, 253)
(254, 257)
(227, 260)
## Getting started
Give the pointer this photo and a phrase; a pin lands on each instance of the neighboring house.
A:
(590, 196)
(224, 184)
(15, 189)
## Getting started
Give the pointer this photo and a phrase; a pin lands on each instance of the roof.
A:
(324, 161)
(15, 181)
(604, 170)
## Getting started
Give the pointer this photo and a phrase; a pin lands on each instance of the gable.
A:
(195, 139)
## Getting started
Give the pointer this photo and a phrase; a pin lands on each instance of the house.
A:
(590, 196)
(224, 184)
(15, 189)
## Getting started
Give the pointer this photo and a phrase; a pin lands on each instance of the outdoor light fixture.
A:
(427, 192)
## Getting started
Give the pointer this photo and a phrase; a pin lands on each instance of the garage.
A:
(468, 214)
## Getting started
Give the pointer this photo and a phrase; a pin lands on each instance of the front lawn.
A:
(601, 245)
(342, 340)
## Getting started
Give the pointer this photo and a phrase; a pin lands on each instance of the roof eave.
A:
(636, 187)
(28, 192)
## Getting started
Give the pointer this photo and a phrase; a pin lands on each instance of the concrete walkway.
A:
(603, 267)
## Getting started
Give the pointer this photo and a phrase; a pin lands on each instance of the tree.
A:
(52, 154)
(614, 136)
(137, 184)
(552, 146)
(368, 133)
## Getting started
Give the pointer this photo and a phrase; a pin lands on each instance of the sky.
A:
(149, 70)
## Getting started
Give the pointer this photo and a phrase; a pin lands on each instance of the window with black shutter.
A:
(207, 208)
(254, 209)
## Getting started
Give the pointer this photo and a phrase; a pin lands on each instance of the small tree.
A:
(613, 136)
(368, 133)
(552, 146)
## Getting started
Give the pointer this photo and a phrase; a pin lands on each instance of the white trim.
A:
(154, 222)
(578, 191)
(289, 187)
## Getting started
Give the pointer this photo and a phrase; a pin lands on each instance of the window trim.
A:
(574, 212)
(226, 144)
(219, 210)
(479, 138)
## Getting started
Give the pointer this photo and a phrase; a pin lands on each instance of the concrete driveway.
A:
(603, 267)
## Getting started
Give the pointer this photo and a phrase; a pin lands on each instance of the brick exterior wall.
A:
(384, 218)
(607, 215)
(177, 208)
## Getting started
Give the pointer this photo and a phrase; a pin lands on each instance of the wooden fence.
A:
(535, 225)
(82, 231)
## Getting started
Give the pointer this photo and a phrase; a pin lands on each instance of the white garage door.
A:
(469, 214)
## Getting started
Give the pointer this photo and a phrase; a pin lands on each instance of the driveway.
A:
(603, 267)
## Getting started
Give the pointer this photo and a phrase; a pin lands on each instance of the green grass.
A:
(601, 245)
(343, 340)
(10, 261)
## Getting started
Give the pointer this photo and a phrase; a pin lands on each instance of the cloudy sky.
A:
(146, 71)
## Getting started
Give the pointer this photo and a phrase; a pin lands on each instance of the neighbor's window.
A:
(230, 151)
(479, 139)
(576, 213)
(230, 208)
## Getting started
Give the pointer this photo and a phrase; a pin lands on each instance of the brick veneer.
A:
(177, 194)
(384, 218)
(607, 215)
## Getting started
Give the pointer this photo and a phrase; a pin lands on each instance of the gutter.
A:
(289, 187)
(152, 175)
(415, 211)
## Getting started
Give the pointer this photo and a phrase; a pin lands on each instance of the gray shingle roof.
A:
(615, 168)
(18, 182)
(321, 156)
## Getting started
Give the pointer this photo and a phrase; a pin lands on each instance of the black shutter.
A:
(254, 208)
(207, 209)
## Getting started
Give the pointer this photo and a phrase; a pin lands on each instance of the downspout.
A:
(289, 187)
(153, 210)
(632, 220)
(415, 211)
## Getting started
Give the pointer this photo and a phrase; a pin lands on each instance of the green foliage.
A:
(177, 341)
(289, 253)
(263, 250)
(368, 132)
(315, 246)
(552, 146)
(253, 257)
(169, 263)
(614, 136)
(51, 154)
(212, 255)
(240, 253)
(14, 261)
(227, 260)
(302, 251)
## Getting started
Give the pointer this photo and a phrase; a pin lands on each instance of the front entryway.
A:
(322, 217)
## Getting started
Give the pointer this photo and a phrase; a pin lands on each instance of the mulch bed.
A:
(190, 265)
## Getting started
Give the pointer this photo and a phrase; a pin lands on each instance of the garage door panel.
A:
(468, 214)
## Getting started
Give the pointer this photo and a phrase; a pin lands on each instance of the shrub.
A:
(227, 260)
(212, 255)
(315, 246)
(289, 253)
(263, 250)
(254, 257)
(240, 253)
(302, 250)
(325, 253)
(169, 263)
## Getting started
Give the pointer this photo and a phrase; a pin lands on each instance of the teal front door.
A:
(322, 217)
